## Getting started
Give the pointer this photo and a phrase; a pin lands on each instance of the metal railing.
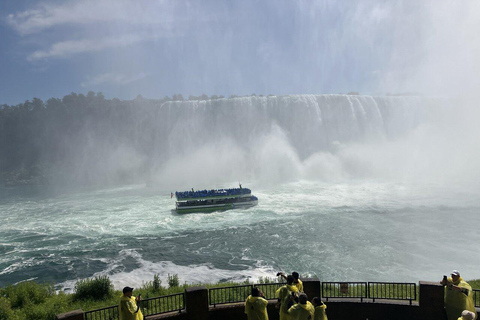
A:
(223, 295)
(108, 313)
(269, 289)
(232, 294)
(344, 290)
(476, 297)
(163, 304)
(151, 306)
(392, 291)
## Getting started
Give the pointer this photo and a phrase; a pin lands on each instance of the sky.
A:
(155, 48)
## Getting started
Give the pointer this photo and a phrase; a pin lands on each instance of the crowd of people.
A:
(292, 302)
(211, 193)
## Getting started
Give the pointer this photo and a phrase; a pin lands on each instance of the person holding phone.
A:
(458, 296)
(129, 307)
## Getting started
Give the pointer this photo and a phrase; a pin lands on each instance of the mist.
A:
(417, 61)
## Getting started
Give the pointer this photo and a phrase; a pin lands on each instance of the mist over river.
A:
(355, 188)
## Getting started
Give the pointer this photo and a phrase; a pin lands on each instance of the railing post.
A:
(72, 315)
(431, 300)
(311, 286)
(196, 302)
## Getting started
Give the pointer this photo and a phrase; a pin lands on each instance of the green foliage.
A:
(157, 283)
(266, 280)
(28, 292)
(173, 281)
(98, 288)
(6, 312)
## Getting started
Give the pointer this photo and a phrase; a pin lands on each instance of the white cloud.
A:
(113, 78)
(84, 13)
(66, 48)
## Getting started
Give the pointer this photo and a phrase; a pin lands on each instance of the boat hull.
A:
(216, 207)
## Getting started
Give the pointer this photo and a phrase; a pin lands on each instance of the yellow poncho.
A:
(457, 301)
(283, 293)
(301, 311)
(320, 313)
(299, 285)
(256, 308)
(127, 309)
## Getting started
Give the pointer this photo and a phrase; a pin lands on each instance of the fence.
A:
(158, 305)
(109, 313)
(344, 290)
(392, 291)
(371, 290)
(223, 295)
(476, 297)
(163, 304)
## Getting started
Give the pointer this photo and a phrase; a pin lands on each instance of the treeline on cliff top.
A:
(61, 136)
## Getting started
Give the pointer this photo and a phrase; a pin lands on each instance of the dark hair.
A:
(302, 298)
(295, 275)
(316, 301)
(255, 292)
(290, 279)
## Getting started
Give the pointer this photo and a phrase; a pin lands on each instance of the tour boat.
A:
(214, 200)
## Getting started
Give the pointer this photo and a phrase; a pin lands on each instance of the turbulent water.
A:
(350, 188)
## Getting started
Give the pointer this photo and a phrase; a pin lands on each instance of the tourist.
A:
(283, 294)
(467, 315)
(458, 296)
(129, 307)
(303, 310)
(296, 281)
(256, 305)
(320, 312)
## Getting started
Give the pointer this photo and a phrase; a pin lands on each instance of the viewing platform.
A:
(345, 301)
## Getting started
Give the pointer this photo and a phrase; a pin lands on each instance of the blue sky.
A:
(156, 48)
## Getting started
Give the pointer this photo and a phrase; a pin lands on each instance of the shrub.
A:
(157, 283)
(98, 288)
(28, 292)
(173, 280)
(6, 312)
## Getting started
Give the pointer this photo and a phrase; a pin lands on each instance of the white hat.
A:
(468, 315)
(455, 273)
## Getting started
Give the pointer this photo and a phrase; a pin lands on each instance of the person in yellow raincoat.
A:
(128, 309)
(458, 296)
(303, 310)
(467, 315)
(283, 294)
(256, 305)
(296, 281)
(320, 312)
